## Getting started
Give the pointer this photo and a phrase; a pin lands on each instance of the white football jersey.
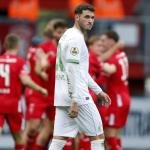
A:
(72, 49)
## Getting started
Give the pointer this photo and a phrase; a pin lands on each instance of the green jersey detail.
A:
(59, 64)
(73, 61)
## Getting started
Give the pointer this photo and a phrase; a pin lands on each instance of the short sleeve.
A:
(73, 51)
(24, 68)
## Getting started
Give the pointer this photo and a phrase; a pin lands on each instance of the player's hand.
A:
(104, 99)
(73, 110)
(43, 91)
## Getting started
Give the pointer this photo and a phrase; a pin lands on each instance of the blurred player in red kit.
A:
(53, 32)
(115, 73)
(96, 58)
(45, 54)
(36, 103)
(38, 108)
(54, 29)
(13, 73)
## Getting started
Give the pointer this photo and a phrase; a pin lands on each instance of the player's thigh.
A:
(2, 120)
(64, 125)
(34, 125)
(48, 125)
(45, 132)
(112, 132)
(89, 120)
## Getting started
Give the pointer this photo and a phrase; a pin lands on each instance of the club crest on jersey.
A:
(74, 51)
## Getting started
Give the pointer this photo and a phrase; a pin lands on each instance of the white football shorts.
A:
(88, 121)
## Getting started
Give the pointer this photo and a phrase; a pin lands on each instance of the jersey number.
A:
(5, 73)
(124, 66)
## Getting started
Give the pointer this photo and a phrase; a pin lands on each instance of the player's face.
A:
(104, 43)
(58, 33)
(97, 47)
(85, 20)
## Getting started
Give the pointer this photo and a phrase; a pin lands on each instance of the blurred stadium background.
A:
(130, 18)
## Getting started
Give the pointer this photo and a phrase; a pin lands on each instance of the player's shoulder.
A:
(12, 59)
(47, 46)
(20, 60)
(120, 54)
(72, 34)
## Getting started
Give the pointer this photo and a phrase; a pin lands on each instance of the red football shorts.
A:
(37, 111)
(115, 115)
(14, 121)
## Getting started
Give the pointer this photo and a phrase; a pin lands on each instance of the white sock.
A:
(57, 144)
(97, 145)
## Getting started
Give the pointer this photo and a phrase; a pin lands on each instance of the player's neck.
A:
(76, 25)
(12, 51)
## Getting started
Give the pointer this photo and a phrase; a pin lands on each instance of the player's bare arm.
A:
(27, 81)
(111, 51)
(41, 64)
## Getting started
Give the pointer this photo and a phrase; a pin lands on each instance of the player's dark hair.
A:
(112, 35)
(79, 9)
(11, 41)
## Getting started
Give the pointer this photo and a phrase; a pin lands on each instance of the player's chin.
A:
(88, 27)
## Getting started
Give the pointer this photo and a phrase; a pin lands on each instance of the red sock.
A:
(113, 143)
(19, 147)
(68, 145)
(84, 143)
(37, 147)
(29, 144)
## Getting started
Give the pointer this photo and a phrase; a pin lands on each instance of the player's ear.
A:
(77, 17)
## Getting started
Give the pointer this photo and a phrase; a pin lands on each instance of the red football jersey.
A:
(94, 70)
(94, 65)
(36, 96)
(117, 83)
(11, 66)
(51, 48)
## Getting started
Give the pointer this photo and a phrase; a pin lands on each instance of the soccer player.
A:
(46, 76)
(75, 109)
(13, 73)
(115, 74)
(37, 112)
(98, 54)
(96, 59)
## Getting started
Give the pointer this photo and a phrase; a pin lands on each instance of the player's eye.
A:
(92, 17)
(87, 17)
